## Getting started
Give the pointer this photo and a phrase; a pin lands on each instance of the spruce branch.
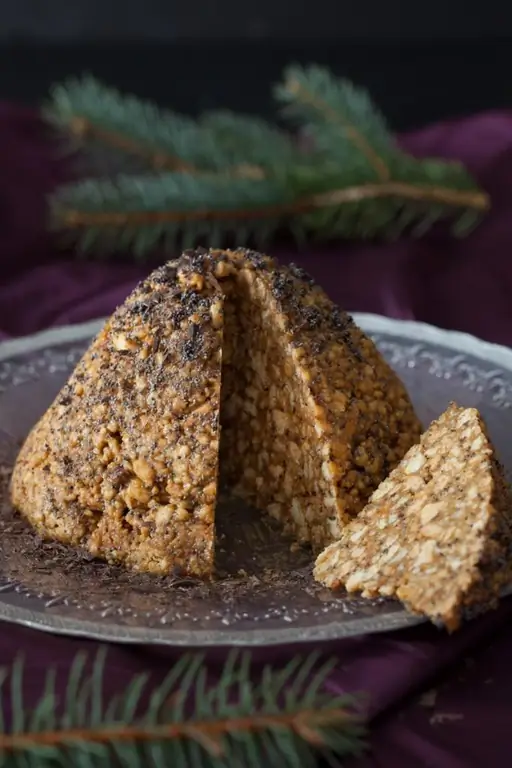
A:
(140, 212)
(220, 142)
(250, 140)
(86, 108)
(333, 112)
(287, 718)
(238, 177)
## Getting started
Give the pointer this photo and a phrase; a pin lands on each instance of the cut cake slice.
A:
(125, 463)
(436, 533)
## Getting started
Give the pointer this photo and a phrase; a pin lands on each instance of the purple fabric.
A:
(464, 285)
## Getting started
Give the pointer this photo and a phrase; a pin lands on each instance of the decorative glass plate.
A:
(266, 595)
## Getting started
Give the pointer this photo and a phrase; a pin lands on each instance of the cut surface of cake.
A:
(436, 533)
(220, 358)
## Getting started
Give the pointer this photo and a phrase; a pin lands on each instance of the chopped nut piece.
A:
(122, 344)
(312, 417)
(144, 471)
(444, 549)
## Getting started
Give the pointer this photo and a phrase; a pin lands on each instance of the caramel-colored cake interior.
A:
(311, 415)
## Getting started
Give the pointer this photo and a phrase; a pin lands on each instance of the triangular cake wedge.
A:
(219, 357)
(436, 533)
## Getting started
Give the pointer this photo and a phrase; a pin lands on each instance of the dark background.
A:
(421, 62)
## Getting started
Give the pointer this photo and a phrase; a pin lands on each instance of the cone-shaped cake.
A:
(437, 533)
(125, 463)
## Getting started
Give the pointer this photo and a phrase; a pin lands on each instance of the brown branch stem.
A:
(307, 725)
(83, 128)
(419, 192)
(378, 164)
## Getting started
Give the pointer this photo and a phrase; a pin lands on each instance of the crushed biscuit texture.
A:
(437, 533)
(221, 366)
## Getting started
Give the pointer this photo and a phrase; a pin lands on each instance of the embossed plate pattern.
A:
(265, 595)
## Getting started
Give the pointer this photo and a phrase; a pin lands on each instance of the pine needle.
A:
(237, 721)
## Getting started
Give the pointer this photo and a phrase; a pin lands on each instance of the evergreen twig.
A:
(87, 109)
(228, 175)
(333, 111)
(287, 718)
(220, 142)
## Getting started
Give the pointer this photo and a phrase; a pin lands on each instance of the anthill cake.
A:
(437, 533)
(217, 359)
